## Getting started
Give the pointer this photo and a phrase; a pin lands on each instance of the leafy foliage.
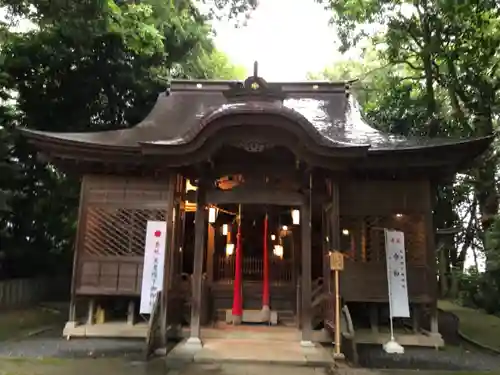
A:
(435, 68)
(85, 66)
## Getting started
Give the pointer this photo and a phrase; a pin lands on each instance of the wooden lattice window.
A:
(362, 237)
(117, 231)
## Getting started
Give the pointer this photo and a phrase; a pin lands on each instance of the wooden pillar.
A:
(90, 312)
(335, 218)
(80, 231)
(131, 313)
(167, 261)
(415, 315)
(210, 253)
(432, 283)
(199, 244)
(237, 310)
(266, 313)
(182, 240)
(374, 318)
(326, 247)
(306, 286)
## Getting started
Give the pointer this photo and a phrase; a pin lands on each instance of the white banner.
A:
(396, 273)
(154, 260)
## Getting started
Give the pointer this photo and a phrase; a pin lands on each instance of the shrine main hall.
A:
(257, 182)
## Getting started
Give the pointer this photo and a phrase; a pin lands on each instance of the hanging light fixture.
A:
(295, 217)
(229, 249)
(225, 229)
(190, 187)
(229, 244)
(278, 251)
(212, 214)
(273, 237)
(284, 227)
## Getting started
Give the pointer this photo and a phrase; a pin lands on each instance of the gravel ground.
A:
(52, 347)
(452, 358)
(117, 367)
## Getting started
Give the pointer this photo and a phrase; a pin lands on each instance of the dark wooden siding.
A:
(366, 208)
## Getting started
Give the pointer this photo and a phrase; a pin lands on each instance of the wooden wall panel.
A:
(367, 197)
(112, 228)
(125, 190)
(367, 282)
(366, 208)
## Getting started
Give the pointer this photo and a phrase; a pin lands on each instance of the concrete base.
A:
(253, 351)
(69, 328)
(307, 344)
(194, 343)
(437, 338)
(338, 356)
(106, 330)
(235, 319)
(253, 316)
(366, 336)
(265, 314)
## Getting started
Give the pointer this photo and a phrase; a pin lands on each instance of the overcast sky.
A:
(287, 37)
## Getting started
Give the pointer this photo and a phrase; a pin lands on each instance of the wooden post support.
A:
(337, 265)
(210, 253)
(199, 245)
(131, 312)
(306, 278)
(415, 317)
(90, 312)
(374, 318)
(237, 290)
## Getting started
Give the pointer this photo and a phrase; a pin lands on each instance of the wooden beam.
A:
(199, 246)
(256, 196)
(306, 273)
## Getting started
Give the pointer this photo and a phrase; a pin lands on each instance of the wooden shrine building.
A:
(258, 182)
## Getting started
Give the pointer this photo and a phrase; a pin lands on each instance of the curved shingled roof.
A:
(326, 111)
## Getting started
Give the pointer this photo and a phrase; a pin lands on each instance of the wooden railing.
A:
(280, 270)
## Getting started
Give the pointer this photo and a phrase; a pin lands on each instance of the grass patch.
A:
(18, 323)
(475, 324)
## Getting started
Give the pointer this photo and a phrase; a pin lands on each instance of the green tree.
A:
(449, 53)
(85, 66)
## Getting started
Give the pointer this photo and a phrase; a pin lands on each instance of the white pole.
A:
(389, 289)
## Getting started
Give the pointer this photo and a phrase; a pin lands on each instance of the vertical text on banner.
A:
(396, 274)
(154, 259)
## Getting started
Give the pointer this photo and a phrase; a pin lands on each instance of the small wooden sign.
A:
(336, 261)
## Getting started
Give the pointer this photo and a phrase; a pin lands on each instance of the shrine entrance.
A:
(260, 264)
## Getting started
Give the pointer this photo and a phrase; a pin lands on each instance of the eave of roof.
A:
(326, 112)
